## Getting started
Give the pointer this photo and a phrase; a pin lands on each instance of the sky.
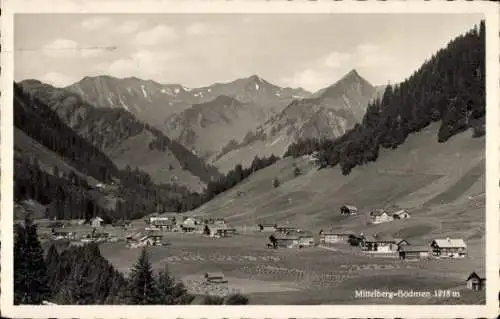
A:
(310, 51)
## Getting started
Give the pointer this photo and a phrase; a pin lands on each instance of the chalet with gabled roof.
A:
(449, 248)
(380, 216)
(476, 281)
(409, 252)
(378, 244)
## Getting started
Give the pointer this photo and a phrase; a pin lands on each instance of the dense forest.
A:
(43, 125)
(69, 195)
(236, 175)
(107, 128)
(449, 87)
(81, 276)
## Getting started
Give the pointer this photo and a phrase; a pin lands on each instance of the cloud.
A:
(371, 55)
(368, 58)
(127, 26)
(157, 35)
(143, 63)
(336, 59)
(200, 29)
(61, 48)
(95, 23)
(64, 48)
(309, 79)
(58, 79)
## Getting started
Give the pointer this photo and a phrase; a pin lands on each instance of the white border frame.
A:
(491, 14)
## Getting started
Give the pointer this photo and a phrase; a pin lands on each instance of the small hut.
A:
(215, 278)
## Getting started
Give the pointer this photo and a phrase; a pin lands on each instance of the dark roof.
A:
(415, 249)
(267, 224)
(378, 212)
(475, 274)
(349, 207)
(214, 275)
(347, 232)
(286, 226)
(379, 239)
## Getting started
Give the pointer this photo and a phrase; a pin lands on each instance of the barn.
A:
(266, 227)
(409, 252)
(476, 281)
(214, 278)
(401, 214)
(335, 237)
(378, 244)
(348, 210)
(380, 216)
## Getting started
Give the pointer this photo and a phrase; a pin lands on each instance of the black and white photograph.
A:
(258, 158)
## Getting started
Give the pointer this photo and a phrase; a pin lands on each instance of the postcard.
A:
(258, 159)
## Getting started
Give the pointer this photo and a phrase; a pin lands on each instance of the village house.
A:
(189, 225)
(266, 227)
(285, 229)
(409, 252)
(219, 231)
(401, 214)
(448, 247)
(380, 216)
(347, 210)
(293, 239)
(334, 237)
(378, 244)
(163, 223)
(96, 222)
(287, 240)
(475, 281)
(306, 239)
(214, 278)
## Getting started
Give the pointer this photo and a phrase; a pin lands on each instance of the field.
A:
(442, 186)
(293, 276)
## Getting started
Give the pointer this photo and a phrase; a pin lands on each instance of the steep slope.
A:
(450, 88)
(399, 155)
(127, 141)
(329, 113)
(150, 101)
(56, 171)
(254, 89)
(153, 102)
(443, 199)
(206, 127)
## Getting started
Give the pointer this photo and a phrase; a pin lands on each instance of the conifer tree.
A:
(143, 289)
(171, 291)
(30, 271)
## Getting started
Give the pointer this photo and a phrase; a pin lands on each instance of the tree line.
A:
(449, 87)
(236, 175)
(82, 276)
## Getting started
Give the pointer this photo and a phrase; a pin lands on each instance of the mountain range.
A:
(127, 141)
(222, 118)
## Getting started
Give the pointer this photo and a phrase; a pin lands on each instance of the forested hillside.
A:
(450, 88)
(61, 180)
(116, 132)
(82, 276)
